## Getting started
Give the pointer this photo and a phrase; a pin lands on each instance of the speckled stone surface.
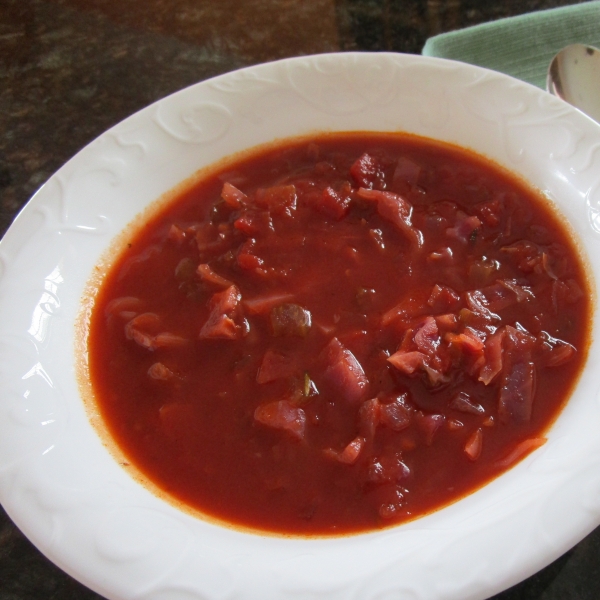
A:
(69, 69)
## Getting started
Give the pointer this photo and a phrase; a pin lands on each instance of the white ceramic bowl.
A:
(67, 493)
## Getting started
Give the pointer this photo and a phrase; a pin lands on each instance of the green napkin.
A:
(521, 46)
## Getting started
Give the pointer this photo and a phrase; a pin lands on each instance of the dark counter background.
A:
(70, 69)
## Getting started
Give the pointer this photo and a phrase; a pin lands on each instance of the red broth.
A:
(338, 335)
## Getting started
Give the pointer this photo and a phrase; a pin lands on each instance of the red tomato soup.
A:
(338, 335)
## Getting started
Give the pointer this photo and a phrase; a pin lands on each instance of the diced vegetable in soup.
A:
(338, 335)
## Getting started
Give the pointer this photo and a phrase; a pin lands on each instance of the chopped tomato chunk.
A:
(443, 298)
(276, 365)
(208, 275)
(407, 362)
(176, 234)
(522, 292)
(474, 445)
(254, 223)
(349, 455)
(478, 303)
(447, 322)
(515, 402)
(145, 320)
(427, 337)
(279, 199)
(463, 403)
(403, 312)
(465, 228)
(387, 469)
(516, 394)
(429, 424)
(139, 330)
(335, 204)
(493, 358)
(369, 416)
(283, 415)
(221, 323)
(232, 196)
(246, 257)
(395, 209)
(344, 372)
(124, 305)
(366, 172)
(164, 339)
(397, 414)
(160, 371)
(556, 352)
(467, 342)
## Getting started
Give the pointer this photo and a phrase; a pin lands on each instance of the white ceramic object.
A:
(68, 495)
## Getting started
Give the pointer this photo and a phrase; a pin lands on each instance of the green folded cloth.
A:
(521, 46)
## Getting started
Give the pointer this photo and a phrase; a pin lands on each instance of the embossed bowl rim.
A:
(65, 491)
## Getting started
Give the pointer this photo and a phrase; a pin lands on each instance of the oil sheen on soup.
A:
(339, 334)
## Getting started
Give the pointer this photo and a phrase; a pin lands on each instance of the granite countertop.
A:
(70, 69)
